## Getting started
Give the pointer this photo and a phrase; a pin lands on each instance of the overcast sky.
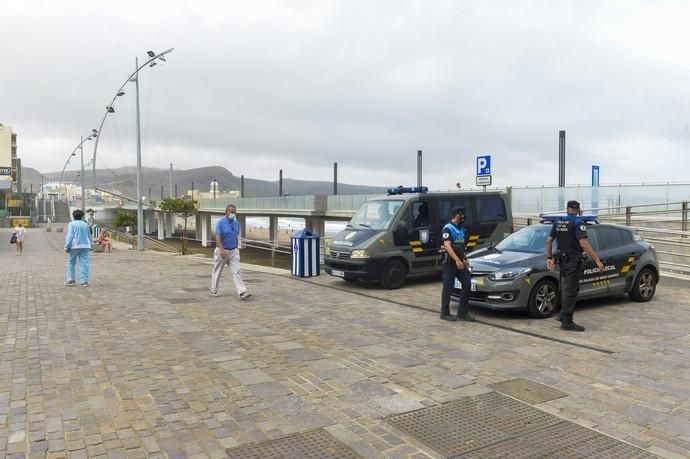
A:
(256, 86)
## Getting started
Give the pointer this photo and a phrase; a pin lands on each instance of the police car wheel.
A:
(644, 287)
(393, 274)
(543, 299)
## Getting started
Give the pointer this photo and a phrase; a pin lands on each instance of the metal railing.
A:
(149, 242)
(663, 224)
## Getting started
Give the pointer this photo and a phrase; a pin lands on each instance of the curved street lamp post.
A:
(134, 77)
(80, 146)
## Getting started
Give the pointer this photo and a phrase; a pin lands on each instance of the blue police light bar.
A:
(409, 189)
(578, 218)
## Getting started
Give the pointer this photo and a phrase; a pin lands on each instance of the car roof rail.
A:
(410, 189)
(587, 219)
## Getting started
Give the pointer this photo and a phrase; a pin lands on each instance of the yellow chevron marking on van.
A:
(631, 259)
(417, 249)
(474, 238)
(626, 268)
(601, 283)
(415, 242)
(471, 244)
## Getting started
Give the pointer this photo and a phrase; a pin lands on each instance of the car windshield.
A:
(529, 240)
(376, 215)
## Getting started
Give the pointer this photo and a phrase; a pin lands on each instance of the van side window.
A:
(420, 214)
(445, 207)
(491, 210)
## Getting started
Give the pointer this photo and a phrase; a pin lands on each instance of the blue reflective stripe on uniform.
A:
(456, 234)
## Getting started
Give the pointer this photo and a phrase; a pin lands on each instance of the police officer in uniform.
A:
(455, 266)
(571, 235)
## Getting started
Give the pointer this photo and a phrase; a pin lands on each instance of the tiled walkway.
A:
(146, 363)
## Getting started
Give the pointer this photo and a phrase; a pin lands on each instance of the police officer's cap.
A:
(458, 211)
(573, 204)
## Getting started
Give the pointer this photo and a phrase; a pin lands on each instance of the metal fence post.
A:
(684, 218)
(628, 215)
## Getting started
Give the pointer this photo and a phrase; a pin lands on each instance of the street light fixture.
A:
(134, 77)
(80, 146)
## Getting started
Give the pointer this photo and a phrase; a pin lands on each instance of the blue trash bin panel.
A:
(306, 254)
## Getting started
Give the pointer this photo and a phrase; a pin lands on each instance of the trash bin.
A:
(306, 254)
(96, 231)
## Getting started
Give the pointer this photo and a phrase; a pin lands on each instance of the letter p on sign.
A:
(484, 165)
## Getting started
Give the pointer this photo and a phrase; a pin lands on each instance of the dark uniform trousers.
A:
(450, 273)
(571, 265)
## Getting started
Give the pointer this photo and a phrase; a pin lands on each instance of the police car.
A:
(513, 274)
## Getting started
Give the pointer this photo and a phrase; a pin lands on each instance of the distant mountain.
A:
(124, 179)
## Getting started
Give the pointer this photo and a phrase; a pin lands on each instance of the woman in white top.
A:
(20, 231)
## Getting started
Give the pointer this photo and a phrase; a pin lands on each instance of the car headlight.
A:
(327, 250)
(508, 273)
(360, 254)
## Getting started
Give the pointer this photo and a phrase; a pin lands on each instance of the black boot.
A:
(466, 317)
(572, 326)
(449, 317)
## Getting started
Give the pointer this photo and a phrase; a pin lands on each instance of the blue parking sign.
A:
(484, 165)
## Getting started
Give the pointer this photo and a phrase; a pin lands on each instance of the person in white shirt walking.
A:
(78, 246)
(20, 231)
(227, 253)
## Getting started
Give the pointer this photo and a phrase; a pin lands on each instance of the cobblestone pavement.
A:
(146, 363)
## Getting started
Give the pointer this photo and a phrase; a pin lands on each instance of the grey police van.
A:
(392, 237)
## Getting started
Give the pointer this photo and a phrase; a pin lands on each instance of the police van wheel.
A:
(644, 287)
(393, 274)
(543, 299)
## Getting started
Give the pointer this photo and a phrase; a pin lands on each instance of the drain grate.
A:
(564, 440)
(528, 391)
(307, 445)
(471, 423)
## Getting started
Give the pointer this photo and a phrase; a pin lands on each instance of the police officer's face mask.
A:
(231, 215)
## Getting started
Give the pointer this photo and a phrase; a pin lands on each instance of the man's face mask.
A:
(231, 215)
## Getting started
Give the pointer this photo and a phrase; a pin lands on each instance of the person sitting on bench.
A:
(104, 241)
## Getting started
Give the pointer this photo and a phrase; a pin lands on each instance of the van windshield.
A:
(376, 215)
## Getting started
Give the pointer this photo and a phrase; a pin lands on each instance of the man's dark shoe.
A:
(466, 317)
(572, 326)
(559, 318)
(448, 317)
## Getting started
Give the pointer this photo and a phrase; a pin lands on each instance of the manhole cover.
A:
(181, 300)
(307, 445)
(471, 423)
(563, 441)
(528, 391)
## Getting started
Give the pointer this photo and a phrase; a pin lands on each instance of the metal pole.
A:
(192, 191)
(242, 186)
(280, 183)
(335, 178)
(161, 192)
(83, 191)
(170, 190)
(561, 158)
(419, 168)
(149, 194)
(140, 208)
(176, 190)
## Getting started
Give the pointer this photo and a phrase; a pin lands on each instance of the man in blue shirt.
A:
(455, 266)
(227, 252)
